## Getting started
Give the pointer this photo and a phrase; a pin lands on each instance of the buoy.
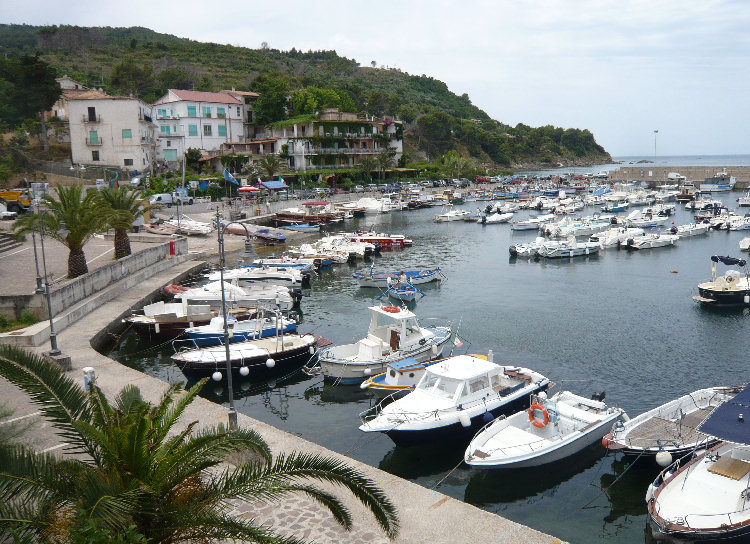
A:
(216, 376)
(605, 441)
(434, 350)
(746, 299)
(270, 363)
(364, 385)
(368, 371)
(464, 419)
(244, 371)
(674, 272)
(312, 350)
(663, 458)
(650, 492)
(542, 395)
(487, 417)
(490, 356)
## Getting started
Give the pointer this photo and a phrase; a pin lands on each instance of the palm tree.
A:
(367, 164)
(385, 160)
(270, 163)
(134, 472)
(81, 215)
(122, 207)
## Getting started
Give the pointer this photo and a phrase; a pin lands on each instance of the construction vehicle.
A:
(16, 200)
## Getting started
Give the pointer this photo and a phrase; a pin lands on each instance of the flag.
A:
(203, 185)
(282, 180)
(229, 177)
(457, 341)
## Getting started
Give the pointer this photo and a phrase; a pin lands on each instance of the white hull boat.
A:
(691, 229)
(453, 215)
(251, 276)
(564, 249)
(650, 241)
(534, 223)
(552, 429)
(745, 244)
(268, 296)
(614, 237)
(527, 250)
(495, 218)
(190, 226)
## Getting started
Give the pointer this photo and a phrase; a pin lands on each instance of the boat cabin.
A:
(391, 329)
(404, 372)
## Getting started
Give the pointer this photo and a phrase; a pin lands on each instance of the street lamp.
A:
(220, 228)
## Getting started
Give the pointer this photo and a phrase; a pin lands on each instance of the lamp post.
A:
(39, 288)
(655, 133)
(220, 228)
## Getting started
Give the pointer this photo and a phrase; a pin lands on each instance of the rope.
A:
(604, 490)
(449, 473)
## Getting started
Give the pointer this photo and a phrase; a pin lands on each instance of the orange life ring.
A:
(391, 309)
(534, 421)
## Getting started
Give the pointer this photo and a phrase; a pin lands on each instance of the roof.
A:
(84, 94)
(462, 367)
(274, 184)
(402, 313)
(730, 420)
(242, 93)
(198, 96)
(409, 362)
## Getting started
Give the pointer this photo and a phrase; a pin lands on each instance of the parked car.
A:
(135, 182)
(358, 189)
(167, 199)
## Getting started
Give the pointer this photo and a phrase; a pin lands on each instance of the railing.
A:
(170, 135)
(94, 119)
(89, 141)
(342, 151)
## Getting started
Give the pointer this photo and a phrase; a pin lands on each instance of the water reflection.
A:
(420, 461)
(625, 487)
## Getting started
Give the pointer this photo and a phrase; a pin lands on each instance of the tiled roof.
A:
(84, 94)
(199, 96)
(243, 93)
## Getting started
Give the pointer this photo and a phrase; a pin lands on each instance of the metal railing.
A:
(94, 119)
(90, 141)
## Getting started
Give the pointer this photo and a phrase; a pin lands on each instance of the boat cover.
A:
(404, 363)
(730, 421)
(729, 261)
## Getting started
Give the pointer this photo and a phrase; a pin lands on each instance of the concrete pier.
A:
(659, 174)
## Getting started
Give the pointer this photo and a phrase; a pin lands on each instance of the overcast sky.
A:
(619, 68)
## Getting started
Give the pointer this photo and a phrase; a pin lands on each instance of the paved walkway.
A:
(426, 516)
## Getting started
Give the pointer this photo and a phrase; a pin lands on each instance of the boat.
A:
(402, 290)
(493, 218)
(262, 326)
(284, 262)
(738, 223)
(269, 237)
(645, 219)
(690, 229)
(728, 290)
(671, 427)
(744, 200)
(703, 496)
(651, 240)
(552, 429)
(189, 226)
(452, 215)
(259, 357)
(534, 223)
(704, 204)
(394, 333)
(559, 249)
(160, 228)
(529, 249)
(745, 244)
(170, 319)
(454, 398)
(385, 241)
(380, 279)
(266, 295)
(614, 207)
(249, 276)
(615, 236)
(302, 227)
(399, 378)
(721, 182)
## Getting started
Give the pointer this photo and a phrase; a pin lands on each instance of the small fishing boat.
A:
(262, 326)
(257, 357)
(721, 182)
(671, 427)
(302, 227)
(614, 207)
(690, 229)
(534, 223)
(402, 290)
(269, 237)
(703, 497)
(400, 377)
(266, 295)
(394, 333)
(552, 429)
(454, 398)
(728, 290)
(380, 279)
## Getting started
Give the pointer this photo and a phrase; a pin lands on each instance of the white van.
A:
(167, 199)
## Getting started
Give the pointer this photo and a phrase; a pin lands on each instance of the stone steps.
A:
(8, 242)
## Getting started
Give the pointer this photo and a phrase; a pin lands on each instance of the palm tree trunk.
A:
(77, 263)
(122, 244)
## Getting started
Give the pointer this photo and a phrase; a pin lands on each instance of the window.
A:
(221, 113)
(92, 114)
(169, 143)
(164, 129)
(222, 130)
(161, 114)
(207, 130)
(238, 111)
(192, 130)
(127, 133)
(192, 111)
(206, 111)
(93, 137)
(477, 384)
(95, 156)
(170, 155)
(128, 162)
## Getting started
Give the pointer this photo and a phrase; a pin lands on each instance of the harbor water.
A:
(620, 322)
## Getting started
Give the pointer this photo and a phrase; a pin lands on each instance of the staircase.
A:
(8, 242)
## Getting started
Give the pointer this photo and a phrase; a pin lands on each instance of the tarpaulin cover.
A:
(731, 420)
(729, 261)
(274, 184)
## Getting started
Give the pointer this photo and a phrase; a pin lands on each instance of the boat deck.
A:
(682, 431)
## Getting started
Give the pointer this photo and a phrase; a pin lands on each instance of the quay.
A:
(659, 174)
(88, 312)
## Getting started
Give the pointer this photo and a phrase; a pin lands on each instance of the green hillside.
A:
(294, 83)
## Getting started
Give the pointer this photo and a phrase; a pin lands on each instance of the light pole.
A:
(220, 228)
(39, 288)
(655, 133)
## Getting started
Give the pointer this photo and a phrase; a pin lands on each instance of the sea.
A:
(619, 322)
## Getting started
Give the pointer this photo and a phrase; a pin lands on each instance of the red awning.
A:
(248, 189)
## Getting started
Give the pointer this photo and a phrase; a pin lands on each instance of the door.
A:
(92, 113)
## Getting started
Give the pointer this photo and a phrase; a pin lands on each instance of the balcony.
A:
(341, 151)
(89, 141)
(170, 135)
(94, 119)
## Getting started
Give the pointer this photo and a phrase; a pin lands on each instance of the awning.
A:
(248, 189)
(730, 421)
(274, 184)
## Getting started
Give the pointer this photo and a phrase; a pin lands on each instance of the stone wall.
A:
(658, 174)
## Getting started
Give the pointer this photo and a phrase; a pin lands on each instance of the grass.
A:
(27, 318)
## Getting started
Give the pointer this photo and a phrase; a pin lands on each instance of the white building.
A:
(111, 131)
(197, 119)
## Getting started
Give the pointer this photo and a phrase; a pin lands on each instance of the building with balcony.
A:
(198, 119)
(335, 139)
(249, 123)
(111, 131)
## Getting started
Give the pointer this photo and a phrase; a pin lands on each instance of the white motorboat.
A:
(671, 427)
(453, 215)
(188, 226)
(529, 249)
(745, 244)
(494, 218)
(454, 398)
(690, 229)
(638, 218)
(704, 497)
(739, 223)
(266, 295)
(533, 223)
(615, 236)
(731, 289)
(744, 200)
(704, 204)
(651, 240)
(343, 245)
(550, 430)
(246, 276)
(261, 326)
(559, 249)
(582, 227)
(394, 333)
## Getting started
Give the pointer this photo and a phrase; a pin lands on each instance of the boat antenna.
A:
(460, 319)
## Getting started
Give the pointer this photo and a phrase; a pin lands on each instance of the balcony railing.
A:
(94, 119)
(342, 151)
(89, 141)
(170, 135)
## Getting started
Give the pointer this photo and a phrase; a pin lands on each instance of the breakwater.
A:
(659, 174)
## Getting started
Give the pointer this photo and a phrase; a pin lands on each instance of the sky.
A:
(621, 68)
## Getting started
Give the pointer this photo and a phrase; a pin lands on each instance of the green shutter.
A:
(192, 130)
(222, 130)
(127, 133)
(192, 111)
(94, 137)
(170, 155)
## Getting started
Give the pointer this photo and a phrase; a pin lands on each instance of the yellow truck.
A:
(16, 200)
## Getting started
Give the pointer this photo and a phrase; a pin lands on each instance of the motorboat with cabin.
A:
(266, 295)
(731, 289)
(615, 236)
(721, 182)
(565, 249)
(453, 400)
(170, 319)
(247, 276)
(552, 429)
(394, 333)
(262, 326)
(651, 240)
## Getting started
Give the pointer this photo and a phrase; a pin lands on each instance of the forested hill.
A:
(295, 83)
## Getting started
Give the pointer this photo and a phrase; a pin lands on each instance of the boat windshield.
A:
(439, 385)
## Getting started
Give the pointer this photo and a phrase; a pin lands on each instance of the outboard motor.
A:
(599, 396)
(484, 219)
(296, 294)
(673, 230)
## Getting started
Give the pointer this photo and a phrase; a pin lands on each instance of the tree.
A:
(175, 78)
(271, 105)
(131, 475)
(270, 163)
(367, 166)
(121, 207)
(130, 77)
(81, 215)
(192, 159)
(384, 160)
